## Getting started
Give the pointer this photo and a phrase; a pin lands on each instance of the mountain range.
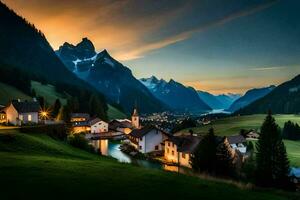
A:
(108, 76)
(222, 101)
(285, 98)
(177, 96)
(249, 97)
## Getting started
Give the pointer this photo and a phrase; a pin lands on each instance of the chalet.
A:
(22, 112)
(237, 143)
(81, 127)
(178, 149)
(123, 126)
(148, 139)
(79, 117)
(80, 122)
(98, 126)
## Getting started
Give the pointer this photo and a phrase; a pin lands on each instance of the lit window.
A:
(21, 117)
(29, 118)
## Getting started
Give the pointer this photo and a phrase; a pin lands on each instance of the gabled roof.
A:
(80, 115)
(26, 106)
(235, 139)
(114, 124)
(94, 121)
(186, 144)
(138, 133)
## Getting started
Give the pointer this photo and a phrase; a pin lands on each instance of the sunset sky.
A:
(215, 45)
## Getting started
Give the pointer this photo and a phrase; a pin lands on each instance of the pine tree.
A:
(204, 157)
(271, 158)
(224, 164)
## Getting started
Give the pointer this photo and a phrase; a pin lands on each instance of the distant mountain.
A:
(222, 101)
(250, 96)
(25, 52)
(210, 100)
(108, 76)
(285, 98)
(176, 95)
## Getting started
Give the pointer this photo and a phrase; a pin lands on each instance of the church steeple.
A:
(135, 119)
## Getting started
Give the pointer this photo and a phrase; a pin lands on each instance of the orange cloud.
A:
(120, 26)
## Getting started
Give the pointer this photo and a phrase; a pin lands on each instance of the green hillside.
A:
(35, 166)
(114, 113)
(8, 93)
(48, 92)
(233, 125)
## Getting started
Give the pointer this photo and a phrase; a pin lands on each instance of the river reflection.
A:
(112, 148)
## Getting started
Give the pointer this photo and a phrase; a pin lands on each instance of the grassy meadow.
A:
(233, 125)
(35, 166)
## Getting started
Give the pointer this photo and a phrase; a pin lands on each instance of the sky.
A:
(219, 46)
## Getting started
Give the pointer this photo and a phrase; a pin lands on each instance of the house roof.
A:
(114, 124)
(80, 115)
(138, 133)
(186, 144)
(26, 106)
(94, 121)
(235, 139)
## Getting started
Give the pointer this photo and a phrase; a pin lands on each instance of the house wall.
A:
(32, 117)
(3, 118)
(80, 129)
(12, 115)
(99, 127)
(78, 119)
(151, 140)
(172, 155)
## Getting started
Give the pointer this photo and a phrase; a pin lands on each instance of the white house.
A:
(148, 139)
(237, 143)
(178, 149)
(22, 112)
(98, 126)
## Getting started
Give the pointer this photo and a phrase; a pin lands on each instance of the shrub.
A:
(80, 142)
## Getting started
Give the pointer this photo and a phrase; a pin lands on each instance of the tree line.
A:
(269, 167)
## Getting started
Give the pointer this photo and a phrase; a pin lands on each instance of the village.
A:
(148, 139)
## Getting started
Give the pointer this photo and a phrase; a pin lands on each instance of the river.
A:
(112, 149)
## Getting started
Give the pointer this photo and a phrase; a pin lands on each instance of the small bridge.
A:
(107, 135)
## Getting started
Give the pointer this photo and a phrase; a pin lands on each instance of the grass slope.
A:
(233, 125)
(7, 93)
(114, 113)
(35, 166)
(48, 92)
